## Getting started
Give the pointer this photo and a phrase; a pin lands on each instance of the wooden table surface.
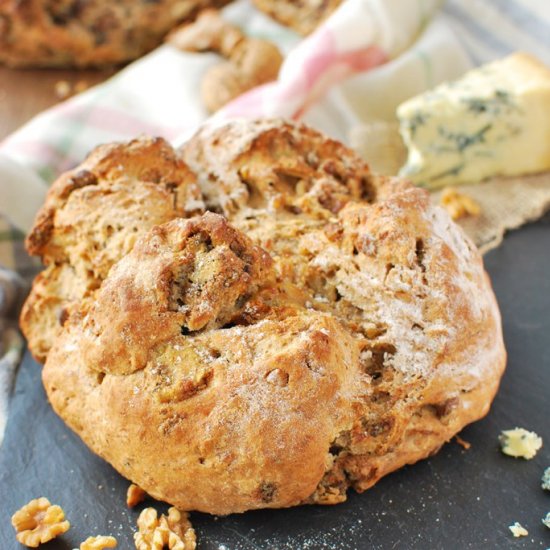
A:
(24, 93)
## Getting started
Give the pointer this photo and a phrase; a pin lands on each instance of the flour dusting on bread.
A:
(324, 327)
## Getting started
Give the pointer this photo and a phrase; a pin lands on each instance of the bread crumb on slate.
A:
(173, 531)
(546, 479)
(520, 443)
(518, 530)
(38, 522)
(98, 543)
(134, 495)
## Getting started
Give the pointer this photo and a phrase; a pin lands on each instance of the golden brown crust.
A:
(186, 276)
(278, 168)
(362, 337)
(304, 17)
(250, 442)
(70, 33)
(92, 217)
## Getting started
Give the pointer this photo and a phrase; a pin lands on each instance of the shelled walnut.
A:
(173, 531)
(38, 522)
(459, 205)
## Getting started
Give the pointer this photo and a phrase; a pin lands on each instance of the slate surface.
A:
(457, 499)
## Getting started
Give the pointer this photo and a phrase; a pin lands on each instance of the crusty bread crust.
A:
(92, 217)
(330, 328)
(68, 33)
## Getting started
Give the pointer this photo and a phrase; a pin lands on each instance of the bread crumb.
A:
(459, 205)
(520, 443)
(38, 522)
(465, 444)
(518, 530)
(546, 479)
(98, 543)
(134, 495)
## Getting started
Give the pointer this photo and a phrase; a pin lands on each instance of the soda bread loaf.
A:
(317, 328)
(77, 33)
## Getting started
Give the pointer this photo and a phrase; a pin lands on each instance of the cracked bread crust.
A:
(90, 33)
(276, 168)
(92, 217)
(188, 275)
(364, 336)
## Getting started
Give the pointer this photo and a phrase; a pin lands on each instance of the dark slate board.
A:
(457, 499)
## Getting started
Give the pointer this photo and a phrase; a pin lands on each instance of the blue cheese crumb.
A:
(518, 530)
(520, 443)
(546, 520)
(546, 479)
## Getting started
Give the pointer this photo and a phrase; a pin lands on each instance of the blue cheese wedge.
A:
(520, 443)
(546, 479)
(493, 121)
(546, 520)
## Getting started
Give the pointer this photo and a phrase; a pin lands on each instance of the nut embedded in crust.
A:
(38, 522)
(198, 273)
(173, 531)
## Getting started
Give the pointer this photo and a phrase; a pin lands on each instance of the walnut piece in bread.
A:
(333, 328)
(72, 33)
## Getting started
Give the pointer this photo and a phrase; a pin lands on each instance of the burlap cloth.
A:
(506, 203)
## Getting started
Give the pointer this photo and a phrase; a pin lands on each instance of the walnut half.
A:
(98, 543)
(38, 522)
(173, 531)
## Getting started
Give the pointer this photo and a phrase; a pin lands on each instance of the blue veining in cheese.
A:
(493, 121)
